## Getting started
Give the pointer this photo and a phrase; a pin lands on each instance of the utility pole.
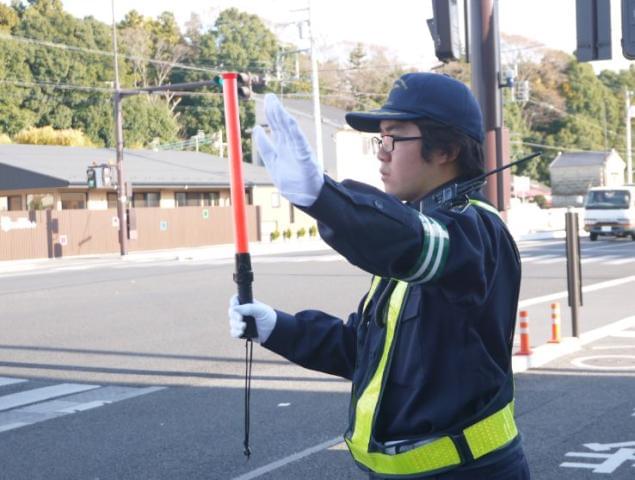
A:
(122, 201)
(317, 115)
(629, 156)
(485, 60)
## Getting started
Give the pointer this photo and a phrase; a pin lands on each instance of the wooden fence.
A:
(53, 233)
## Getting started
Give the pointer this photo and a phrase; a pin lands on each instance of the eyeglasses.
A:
(387, 142)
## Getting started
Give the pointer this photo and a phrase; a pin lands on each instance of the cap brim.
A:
(369, 121)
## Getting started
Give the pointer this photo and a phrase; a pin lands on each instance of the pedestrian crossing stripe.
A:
(34, 405)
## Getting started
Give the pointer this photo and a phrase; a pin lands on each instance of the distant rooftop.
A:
(141, 167)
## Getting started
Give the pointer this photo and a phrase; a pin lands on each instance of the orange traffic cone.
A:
(555, 323)
(523, 324)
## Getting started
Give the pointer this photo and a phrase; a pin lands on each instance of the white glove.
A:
(290, 160)
(264, 315)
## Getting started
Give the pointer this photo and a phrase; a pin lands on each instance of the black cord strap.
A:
(249, 354)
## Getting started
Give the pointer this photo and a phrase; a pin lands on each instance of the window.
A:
(211, 199)
(197, 199)
(146, 199)
(181, 199)
(111, 198)
(291, 213)
(275, 199)
(153, 199)
(40, 201)
(73, 200)
(15, 202)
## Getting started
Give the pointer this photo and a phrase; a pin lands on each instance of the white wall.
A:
(355, 158)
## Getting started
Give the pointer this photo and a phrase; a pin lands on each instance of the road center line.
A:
(286, 460)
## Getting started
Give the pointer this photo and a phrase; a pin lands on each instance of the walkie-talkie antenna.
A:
(456, 194)
(478, 182)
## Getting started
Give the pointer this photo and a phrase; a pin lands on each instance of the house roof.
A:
(45, 166)
(582, 159)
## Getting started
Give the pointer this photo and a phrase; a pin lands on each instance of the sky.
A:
(399, 26)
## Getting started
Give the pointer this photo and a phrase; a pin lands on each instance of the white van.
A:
(610, 211)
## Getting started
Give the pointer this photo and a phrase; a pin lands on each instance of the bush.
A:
(301, 232)
(287, 234)
(48, 136)
(312, 231)
(540, 200)
(274, 235)
(4, 139)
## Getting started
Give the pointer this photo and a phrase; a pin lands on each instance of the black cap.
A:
(426, 95)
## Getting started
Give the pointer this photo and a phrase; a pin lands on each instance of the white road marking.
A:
(624, 334)
(11, 426)
(535, 259)
(554, 259)
(10, 381)
(584, 261)
(621, 261)
(612, 347)
(83, 406)
(580, 362)
(37, 395)
(85, 398)
(286, 460)
(589, 288)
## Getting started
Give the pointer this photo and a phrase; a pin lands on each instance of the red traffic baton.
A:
(243, 275)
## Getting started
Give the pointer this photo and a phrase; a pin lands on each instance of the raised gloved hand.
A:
(289, 159)
(264, 316)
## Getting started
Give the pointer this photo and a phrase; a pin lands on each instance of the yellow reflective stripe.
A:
(430, 457)
(433, 456)
(365, 408)
(484, 206)
(371, 292)
(492, 432)
(485, 436)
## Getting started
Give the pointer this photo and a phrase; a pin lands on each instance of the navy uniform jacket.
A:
(451, 363)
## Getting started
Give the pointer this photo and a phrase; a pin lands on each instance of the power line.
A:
(63, 46)
(60, 86)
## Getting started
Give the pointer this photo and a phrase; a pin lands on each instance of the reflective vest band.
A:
(484, 206)
(483, 437)
(371, 292)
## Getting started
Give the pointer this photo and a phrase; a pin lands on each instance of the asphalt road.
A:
(117, 370)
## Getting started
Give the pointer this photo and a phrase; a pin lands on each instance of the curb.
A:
(550, 351)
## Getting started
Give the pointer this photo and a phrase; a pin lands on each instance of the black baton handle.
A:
(244, 277)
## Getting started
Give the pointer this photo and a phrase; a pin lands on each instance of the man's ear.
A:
(450, 155)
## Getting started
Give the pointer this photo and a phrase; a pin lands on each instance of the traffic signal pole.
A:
(121, 191)
(485, 60)
(122, 199)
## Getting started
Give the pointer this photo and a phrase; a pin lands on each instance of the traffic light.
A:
(243, 81)
(244, 85)
(91, 178)
(628, 29)
(593, 30)
(445, 31)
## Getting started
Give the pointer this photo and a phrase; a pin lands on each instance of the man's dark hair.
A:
(439, 137)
